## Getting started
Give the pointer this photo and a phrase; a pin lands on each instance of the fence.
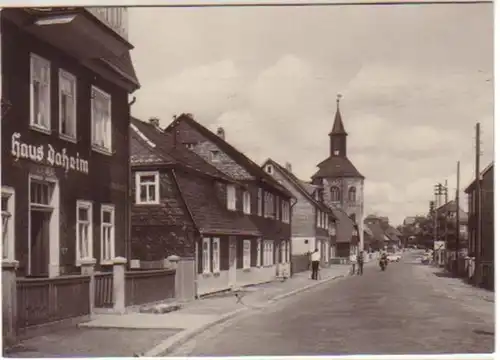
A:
(103, 294)
(142, 287)
(41, 301)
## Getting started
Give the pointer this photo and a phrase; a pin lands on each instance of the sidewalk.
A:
(155, 334)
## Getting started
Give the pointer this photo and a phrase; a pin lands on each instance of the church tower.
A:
(341, 183)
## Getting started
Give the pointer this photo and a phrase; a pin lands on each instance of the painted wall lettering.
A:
(49, 155)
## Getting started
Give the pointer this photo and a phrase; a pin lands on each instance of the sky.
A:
(414, 81)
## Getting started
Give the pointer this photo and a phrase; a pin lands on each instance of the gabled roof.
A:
(392, 233)
(377, 231)
(209, 214)
(165, 148)
(232, 152)
(481, 175)
(299, 185)
(337, 166)
(451, 206)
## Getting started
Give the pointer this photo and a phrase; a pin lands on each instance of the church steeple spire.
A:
(338, 135)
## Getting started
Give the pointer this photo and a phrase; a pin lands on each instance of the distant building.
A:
(313, 223)
(341, 184)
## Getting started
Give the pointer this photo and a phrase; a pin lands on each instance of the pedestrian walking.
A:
(315, 257)
(361, 261)
(353, 260)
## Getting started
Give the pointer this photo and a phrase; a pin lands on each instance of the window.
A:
(269, 210)
(205, 259)
(325, 221)
(107, 232)
(283, 252)
(216, 255)
(189, 146)
(231, 197)
(268, 253)
(335, 193)
(285, 210)
(215, 155)
(269, 169)
(278, 207)
(40, 93)
(8, 212)
(246, 254)
(101, 120)
(247, 206)
(259, 253)
(147, 187)
(259, 202)
(318, 218)
(352, 194)
(67, 105)
(83, 230)
(40, 194)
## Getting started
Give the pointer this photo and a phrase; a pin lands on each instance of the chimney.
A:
(288, 167)
(221, 133)
(154, 121)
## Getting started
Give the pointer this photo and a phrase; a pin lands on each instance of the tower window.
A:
(352, 194)
(335, 193)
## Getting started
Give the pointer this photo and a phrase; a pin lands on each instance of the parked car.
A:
(394, 257)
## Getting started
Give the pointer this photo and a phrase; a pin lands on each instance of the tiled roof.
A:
(142, 154)
(232, 152)
(392, 233)
(209, 213)
(299, 185)
(337, 166)
(165, 147)
(377, 231)
(451, 206)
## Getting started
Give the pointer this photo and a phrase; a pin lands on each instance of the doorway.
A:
(232, 262)
(40, 242)
(43, 233)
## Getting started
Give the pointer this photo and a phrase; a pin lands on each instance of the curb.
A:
(172, 342)
(181, 337)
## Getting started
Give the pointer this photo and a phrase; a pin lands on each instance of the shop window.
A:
(8, 213)
(246, 254)
(215, 255)
(259, 253)
(205, 257)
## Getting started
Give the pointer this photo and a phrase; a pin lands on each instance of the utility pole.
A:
(457, 218)
(446, 214)
(477, 205)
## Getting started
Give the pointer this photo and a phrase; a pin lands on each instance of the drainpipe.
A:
(291, 242)
(128, 243)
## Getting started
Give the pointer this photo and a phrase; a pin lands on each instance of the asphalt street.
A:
(407, 309)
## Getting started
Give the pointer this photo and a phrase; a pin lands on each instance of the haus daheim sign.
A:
(47, 154)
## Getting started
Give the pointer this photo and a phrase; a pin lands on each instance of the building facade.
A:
(481, 238)
(65, 119)
(341, 184)
(313, 223)
(268, 204)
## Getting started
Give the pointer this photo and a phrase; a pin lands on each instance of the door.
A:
(232, 261)
(40, 239)
(277, 258)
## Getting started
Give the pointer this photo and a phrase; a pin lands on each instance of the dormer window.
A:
(269, 169)
(215, 156)
(189, 146)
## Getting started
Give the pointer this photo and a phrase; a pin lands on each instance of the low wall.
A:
(211, 283)
(255, 275)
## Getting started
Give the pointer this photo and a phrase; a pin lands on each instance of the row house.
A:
(263, 199)
(481, 239)
(313, 223)
(186, 207)
(66, 78)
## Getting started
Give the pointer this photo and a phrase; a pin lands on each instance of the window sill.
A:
(206, 274)
(68, 138)
(41, 129)
(247, 269)
(101, 150)
(216, 274)
(106, 262)
(147, 203)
